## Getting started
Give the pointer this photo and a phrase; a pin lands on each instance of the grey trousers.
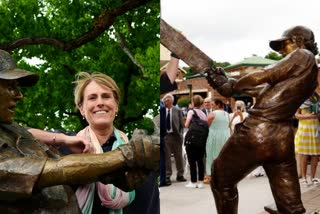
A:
(173, 144)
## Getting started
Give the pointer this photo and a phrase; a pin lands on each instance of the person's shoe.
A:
(304, 183)
(200, 184)
(168, 181)
(191, 185)
(315, 181)
(207, 179)
(165, 184)
(181, 178)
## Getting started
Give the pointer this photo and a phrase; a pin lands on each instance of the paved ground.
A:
(254, 194)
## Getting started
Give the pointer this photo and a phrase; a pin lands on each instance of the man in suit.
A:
(167, 84)
(174, 138)
(207, 104)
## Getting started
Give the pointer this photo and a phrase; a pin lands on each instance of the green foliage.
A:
(191, 73)
(183, 102)
(146, 123)
(274, 56)
(221, 64)
(49, 104)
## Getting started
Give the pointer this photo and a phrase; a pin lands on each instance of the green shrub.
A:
(183, 102)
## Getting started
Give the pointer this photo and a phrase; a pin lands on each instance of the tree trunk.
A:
(183, 48)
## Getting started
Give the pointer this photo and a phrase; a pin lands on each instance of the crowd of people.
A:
(221, 120)
(221, 125)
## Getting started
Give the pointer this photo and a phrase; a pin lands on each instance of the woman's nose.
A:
(100, 101)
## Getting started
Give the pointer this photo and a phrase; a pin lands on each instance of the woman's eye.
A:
(107, 96)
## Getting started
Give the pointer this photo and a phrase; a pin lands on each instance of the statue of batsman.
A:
(266, 136)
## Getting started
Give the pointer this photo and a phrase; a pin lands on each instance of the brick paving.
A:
(310, 197)
(311, 200)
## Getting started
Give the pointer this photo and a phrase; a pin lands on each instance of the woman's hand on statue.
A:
(78, 144)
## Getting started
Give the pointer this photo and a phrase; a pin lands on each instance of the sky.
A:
(231, 30)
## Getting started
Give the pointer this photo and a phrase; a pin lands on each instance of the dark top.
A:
(166, 85)
(107, 146)
(147, 199)
(147, 196)
(97, 207)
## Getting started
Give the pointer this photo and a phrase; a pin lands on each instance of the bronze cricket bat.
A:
(183, 48)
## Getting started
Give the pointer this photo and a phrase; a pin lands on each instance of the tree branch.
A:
(128, 52)
(104, 21)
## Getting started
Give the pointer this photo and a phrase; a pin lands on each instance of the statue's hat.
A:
(297, 32)
(9, 71)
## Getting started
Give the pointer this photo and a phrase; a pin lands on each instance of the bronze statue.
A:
(266, 136)
(35, 178)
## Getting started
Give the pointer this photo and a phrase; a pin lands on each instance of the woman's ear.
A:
(80, 107)
(117, 109)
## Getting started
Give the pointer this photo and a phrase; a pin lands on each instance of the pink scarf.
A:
(110, 196)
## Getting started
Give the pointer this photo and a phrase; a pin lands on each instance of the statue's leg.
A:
(271, 210)
(281, 168)
(227, 170)
(226, 199)
(284, 182)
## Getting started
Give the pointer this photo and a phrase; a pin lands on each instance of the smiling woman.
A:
(97, 97)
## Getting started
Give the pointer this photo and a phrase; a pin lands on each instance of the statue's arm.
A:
(140, 152)
(218, 80)
(80, 168)
(252, 83)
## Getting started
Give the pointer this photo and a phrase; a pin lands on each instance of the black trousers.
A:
(195, 159)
